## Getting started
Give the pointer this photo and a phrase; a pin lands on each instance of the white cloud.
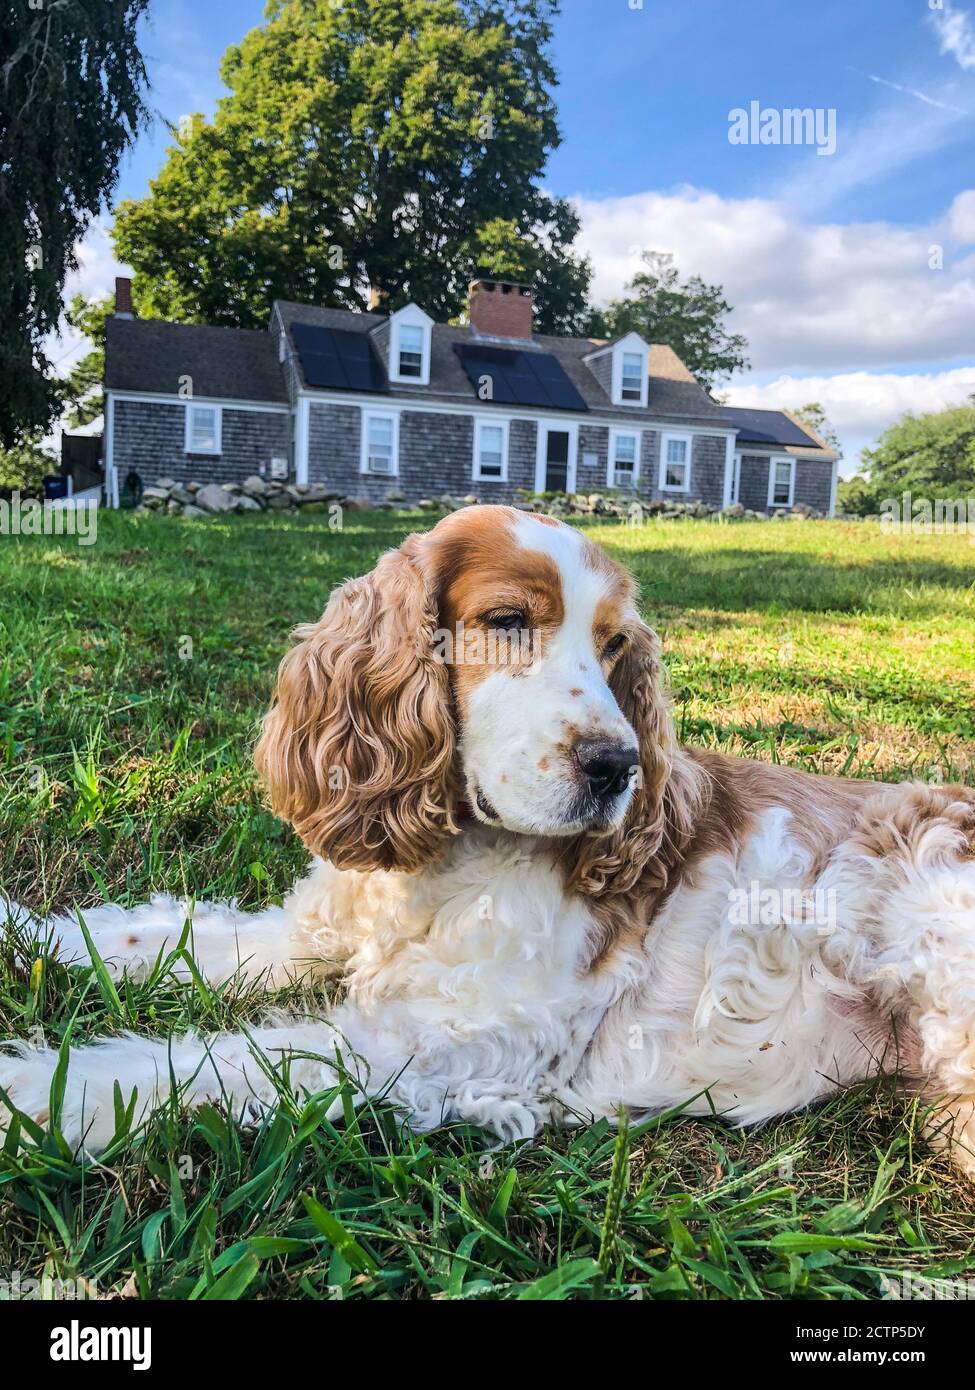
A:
(961, 218)
(860, 404)
(956, 34)
(808, 296)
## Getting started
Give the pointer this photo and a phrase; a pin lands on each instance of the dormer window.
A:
(410, 331)
(410, 350)
(623, 370)
(631, 377)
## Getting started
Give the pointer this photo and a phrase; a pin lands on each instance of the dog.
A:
(538, 907)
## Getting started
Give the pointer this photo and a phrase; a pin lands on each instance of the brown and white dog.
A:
(540, 907)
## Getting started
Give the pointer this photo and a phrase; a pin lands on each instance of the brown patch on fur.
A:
(575, 692)
(896, 818)
(133, 941)
(543, 764)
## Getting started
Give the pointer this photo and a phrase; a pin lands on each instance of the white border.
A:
(545, 424)
(364, 418)
(774, 461)
(412, 316)
(197, 404)
(166, 398)
(689, 440)
(614, 434)
(476, 475)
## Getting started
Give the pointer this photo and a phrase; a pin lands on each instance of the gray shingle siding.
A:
(436, 455)
(753, 487)
(708, 453)
(151, 438)
(814, 483)
(593, 439)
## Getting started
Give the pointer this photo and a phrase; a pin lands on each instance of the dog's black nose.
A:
(606, 766)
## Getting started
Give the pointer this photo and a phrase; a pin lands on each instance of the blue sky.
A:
(827, 260)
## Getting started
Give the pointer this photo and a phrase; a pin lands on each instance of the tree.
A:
(931, 456)
(561, 284)
(816, 418)
(687, 317)
(24, 467)
(71, 83)
(364, 152)
(81, 390)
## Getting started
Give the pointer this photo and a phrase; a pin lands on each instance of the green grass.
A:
(124, 770)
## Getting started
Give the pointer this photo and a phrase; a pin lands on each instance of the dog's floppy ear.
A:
(615, 863)
(358, 745)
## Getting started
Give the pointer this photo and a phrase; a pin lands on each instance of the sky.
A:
(849, 259)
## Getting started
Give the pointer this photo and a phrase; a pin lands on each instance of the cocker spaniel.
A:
(539, 905)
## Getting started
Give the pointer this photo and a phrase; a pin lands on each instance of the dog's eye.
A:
(508, 619)
(613, 646)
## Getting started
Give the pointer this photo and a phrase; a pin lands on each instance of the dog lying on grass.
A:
(540, 907)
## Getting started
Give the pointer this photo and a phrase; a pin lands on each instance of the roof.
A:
(234, 364)
(771, 428)
(674, 393)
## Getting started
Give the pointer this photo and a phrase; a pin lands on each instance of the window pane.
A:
(380, 444)
(491, 451)
(203, 429)
(676, 450)
(410, 351)
(625, 450)
(674, 475)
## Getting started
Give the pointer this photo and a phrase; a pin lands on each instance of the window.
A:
(631, 377)
(379, 444)
(203, 428)
(781, 482)
(675, 463)
(410, 350)
(624, 459)
(410, 331)
(490, 451)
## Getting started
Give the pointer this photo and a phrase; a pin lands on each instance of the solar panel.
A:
(514, 377)
(767, 427)
(335, 357)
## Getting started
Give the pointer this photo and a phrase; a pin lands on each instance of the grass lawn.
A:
(132, 674)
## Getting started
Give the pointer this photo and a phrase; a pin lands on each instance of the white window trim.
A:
(218, 429)
(773, 463)
(411, 316)
(542, 427)
(479, 425)
(368, 415)
(664, 441)
(633, 345)
(614, 434)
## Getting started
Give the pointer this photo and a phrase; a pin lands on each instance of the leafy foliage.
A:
(82, 390)
(24, 467)
(688, 317)
(367, 154)
(70, 103)
(814, 415)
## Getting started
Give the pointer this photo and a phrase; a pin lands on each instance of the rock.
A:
(194, 511)
(165, 483)
(213, 498)
(193, 487)
(394, 495)
(427, 504)
(247, 504)
(735, 512)
(182, 495)
(156, 494)
(232, 488)
(279, 501)
(173, 508)
(254, 486)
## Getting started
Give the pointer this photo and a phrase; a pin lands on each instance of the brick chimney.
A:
(123, 298)
(500, 308)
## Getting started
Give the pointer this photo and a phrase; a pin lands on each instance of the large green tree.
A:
(687, 316)
(71, 84)
(931, 456)
(81, 389)
(363, 154)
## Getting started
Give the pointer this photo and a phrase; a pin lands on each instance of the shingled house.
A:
(373, 402)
